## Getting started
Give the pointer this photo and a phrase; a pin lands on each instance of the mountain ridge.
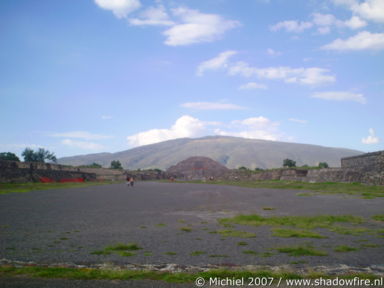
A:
(232, 152)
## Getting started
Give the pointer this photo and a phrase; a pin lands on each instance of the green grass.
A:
(242, 243)
(218, 256)
(302, 222)
(301, 251)
(6, 188)
(345, 248)
(288, 233)
(197, 253)
(125, 253)
(236, 233)
(353, 189)
(250, 252)
(170, 253)
(161, 225)
(268, 208)
(186, 229)
(147, 253)
(98, 274)
(119, 248)
(348, 230)
(379, 217)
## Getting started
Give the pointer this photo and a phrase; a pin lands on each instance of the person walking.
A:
(128, 179)
(131, 181)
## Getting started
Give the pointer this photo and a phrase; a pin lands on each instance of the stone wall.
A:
(369, 162)
(19, 172)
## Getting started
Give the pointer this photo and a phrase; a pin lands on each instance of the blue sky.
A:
(80, 77)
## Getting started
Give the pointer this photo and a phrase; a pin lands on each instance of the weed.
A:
(288, 233)
(379, 217)
(236, 233)
(301, 251)
(186, 229)
(345, 248)
(268, 208)
(197, 253)
(250, 252)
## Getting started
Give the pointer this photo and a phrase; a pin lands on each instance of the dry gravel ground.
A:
(172, 220)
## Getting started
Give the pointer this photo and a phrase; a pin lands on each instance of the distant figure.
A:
(131, 181)
(128, 179)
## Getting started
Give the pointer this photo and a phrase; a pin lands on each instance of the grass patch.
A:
(353, 189)
(242, 243)
(266, 254)
(301, 222)
(197, 253)
(125, 253)
(170, 253)
(161, 225)
(236, 233)
(288, 233)
(186, 229)
(147, 253)
(369, 245)
(6, 188)
(345, 248)
(218, 256)
(98, 274)
(250, 252)
(348, 230)
(119, 249)
(379, 217)
(301, 251)
(268, 208)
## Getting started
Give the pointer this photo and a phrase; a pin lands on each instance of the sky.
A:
(90, 76)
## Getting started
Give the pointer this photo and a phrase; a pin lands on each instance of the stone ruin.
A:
(366, 168)
(197, 168)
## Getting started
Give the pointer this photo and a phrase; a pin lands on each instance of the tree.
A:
(115, 164)
(323, 165)
(9, 156)
(289, 163)
(243, 168)
(38, 156)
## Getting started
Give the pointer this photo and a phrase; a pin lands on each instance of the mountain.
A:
(232, 152)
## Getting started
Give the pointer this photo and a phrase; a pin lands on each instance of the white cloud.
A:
(305, 76)
(212, 106)
(340, 96)
(324, 22)
(371, 138)
(82, 144)
(370, 10)
(185, 126)
(355, 23)
(219, 62)
(298, 120)
(196, 27)
(291, 26)
(81, 135)
(155, 16)
(106, 117)
(272, 52)
(121, 8)
(362, 41)
(253, 128)
(253, 86)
